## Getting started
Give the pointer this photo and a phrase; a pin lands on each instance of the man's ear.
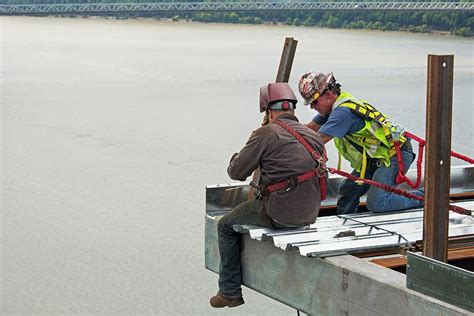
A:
(270, 114)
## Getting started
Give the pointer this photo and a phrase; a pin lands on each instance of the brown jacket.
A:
(280, 156)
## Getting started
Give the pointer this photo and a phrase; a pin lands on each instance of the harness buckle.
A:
(259, 192)
(291, 183)
(396, 131)
(321, 172)
(320, 160)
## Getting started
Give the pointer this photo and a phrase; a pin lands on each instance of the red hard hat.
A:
(271, 93)
(313, 84)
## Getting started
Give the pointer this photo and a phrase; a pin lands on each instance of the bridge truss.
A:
(191, 7)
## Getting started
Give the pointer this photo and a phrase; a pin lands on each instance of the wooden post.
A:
(283, 75)
(439, 102)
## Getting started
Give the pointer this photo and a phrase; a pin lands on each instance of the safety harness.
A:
(319, 171)
(394, 134)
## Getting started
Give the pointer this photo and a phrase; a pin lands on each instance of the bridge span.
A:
(193, 7)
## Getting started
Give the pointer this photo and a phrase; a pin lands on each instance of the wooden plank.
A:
(401, 261)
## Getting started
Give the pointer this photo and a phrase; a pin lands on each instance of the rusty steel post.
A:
(286, 60)
(439, 102)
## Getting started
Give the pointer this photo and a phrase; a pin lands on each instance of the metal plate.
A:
(223, 197)
(367, 232)
(441, 280)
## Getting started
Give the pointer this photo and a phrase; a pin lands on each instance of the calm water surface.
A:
(110, 131)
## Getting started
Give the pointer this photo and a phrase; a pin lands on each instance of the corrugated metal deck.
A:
(334, 285)
(336, 235)
(310, 269)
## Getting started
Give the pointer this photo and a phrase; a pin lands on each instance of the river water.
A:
(111, 129)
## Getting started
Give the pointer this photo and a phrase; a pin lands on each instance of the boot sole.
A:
(237, 303)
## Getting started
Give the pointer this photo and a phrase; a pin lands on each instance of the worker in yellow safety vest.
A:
(364, 137)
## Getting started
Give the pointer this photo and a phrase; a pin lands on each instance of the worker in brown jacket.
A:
(289, 192)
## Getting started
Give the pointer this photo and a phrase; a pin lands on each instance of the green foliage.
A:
(257, 20)
(463, 31)
(457, 23)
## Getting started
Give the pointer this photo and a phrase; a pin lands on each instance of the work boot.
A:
(220, 300)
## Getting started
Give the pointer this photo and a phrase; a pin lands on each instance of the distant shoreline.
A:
(188, 20)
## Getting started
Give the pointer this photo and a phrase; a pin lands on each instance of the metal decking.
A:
(335, 285)
(312, 269)
(337, 235)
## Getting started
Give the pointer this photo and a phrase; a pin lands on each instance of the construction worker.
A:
(289, 192)
(364, 137)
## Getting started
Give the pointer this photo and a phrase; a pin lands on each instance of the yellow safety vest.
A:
(374, 139)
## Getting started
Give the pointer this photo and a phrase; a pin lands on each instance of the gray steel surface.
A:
(341, 285)
(300, 268)
(440, 280)
(366, 232)
(166, 7)
(223, 197)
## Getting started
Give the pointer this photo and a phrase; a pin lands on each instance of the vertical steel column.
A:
(439, 102)
(286, 60)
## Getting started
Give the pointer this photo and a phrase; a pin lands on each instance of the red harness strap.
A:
(319, 172)
(398, 191)
(290, 182)
(403, 178)
(462, 157)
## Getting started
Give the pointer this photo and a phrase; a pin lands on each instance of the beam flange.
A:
(440, 280)
(342, 285)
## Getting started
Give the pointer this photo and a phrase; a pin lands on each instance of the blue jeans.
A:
(378, 200)
(230, 273)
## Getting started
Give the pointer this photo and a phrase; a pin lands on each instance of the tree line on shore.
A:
(454, 23)
(457, 23)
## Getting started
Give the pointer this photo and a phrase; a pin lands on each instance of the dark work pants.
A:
(378, 200)
(230, 273)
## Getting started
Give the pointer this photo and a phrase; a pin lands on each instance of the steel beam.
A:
(440, 280)
(286, 60)
(343, 285)
(223, 197)
(438, 160)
